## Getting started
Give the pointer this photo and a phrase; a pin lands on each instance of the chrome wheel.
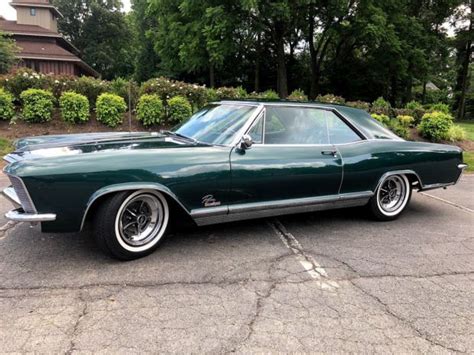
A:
(393, 194)
(141, 220)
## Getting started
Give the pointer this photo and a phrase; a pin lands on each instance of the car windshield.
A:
(216, 124)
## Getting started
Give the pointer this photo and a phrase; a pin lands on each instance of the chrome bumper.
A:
(19, 215)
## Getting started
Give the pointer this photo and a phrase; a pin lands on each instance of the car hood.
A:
(74, 144)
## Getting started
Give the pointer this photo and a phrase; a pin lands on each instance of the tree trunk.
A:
(314, 80)
(465, 73)
(423, 96)
(257, 65)
(212, 75)
(282, 81)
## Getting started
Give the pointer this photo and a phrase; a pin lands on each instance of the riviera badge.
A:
(209, 201)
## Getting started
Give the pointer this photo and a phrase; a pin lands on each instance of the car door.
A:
(291, 157)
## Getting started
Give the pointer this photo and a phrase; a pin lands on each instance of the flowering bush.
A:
(384, 119)
(179, 109)
(110, 109)
(231, 93)
(359, 104)
(150, 109)
(266, 95)
(298, 95)
(74, 107)
(7, 109)
(406, 121)
(330, 99)
(38, 105)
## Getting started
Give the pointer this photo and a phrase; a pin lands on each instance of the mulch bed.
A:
(57, 126)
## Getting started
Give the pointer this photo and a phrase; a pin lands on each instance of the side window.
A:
(295, 125)
(32, 11)
(339, 132)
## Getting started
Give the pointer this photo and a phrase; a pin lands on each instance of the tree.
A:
(102, 34)
(8, 51)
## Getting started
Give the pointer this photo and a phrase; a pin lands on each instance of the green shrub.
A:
(38, 105)
(330, 99)
(359, 104)
(435, 125)
(231, 93)
(179, 109)
(298, 95)
(269, 95)
(440, 107)
(121, 87)
(74, 107)
(384, 119)
(90, 88)
(414, 105)
(150, 109)
(7, 109)
(110, 109)
(397, 127)
(405, 120)
(381, 103)
(455, 134)
(21, 80)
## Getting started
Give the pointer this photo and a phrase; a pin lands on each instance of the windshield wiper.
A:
(194, 140)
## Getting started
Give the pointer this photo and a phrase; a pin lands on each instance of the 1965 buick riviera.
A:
(232, 160)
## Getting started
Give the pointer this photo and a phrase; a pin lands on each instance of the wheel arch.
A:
(102, 193)
(413, 177)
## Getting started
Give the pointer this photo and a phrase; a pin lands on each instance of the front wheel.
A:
(129, 225)
(390, 198)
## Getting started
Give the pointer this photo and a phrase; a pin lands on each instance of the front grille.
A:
(22, 194)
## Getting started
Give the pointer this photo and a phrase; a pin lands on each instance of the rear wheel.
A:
(130, 225)
(390, 198)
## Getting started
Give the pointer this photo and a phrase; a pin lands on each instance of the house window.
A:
(32, 11)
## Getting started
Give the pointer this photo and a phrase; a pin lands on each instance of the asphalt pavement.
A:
(322, 282)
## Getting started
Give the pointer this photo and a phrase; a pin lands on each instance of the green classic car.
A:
(230, 161)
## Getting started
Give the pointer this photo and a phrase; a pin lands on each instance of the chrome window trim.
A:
(245, 128)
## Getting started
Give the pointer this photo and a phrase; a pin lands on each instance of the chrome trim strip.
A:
(128, 187)
(9, 158)
(19, 215)
(397, 172)
(462, 166)
(205, 216)
(436, 186)
(238, 135)
(11, 195)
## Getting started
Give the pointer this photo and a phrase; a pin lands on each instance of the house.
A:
(42, 47)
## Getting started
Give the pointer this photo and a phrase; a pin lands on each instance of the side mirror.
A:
(246, 141)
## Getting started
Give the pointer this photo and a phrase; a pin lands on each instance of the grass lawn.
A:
(469, 128)
(5, 147)
(468, 158)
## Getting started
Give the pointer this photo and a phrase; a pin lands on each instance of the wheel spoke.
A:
(130, 211)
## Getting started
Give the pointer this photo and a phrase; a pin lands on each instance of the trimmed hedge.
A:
(179, 109)
(110, 109)
(74, 107)
(435, 125)
(7, 108)
(150, 109)
(38, 105)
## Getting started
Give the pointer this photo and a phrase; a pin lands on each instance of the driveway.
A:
(321, 282)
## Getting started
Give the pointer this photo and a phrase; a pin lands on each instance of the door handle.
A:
(329, 152)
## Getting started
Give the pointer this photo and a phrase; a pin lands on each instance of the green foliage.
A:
(359, 104)
(7, 108)
(268, 95)
(414, 105)
(298, 95)
(110, 109)
(150, 109)
(179, 109)
(330, 99)
(122, 87)
(166, 88)
(38, 105)
(8, 50)
(224, 92)
(456, 133)
(6, 146)
(384, 119)
(90, 87)
(74, 107)
(381, 103)
(435, 125)
(440, 107)
(468, 126)
(406, 121)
